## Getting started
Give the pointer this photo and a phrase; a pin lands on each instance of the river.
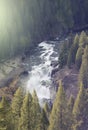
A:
(39, 68)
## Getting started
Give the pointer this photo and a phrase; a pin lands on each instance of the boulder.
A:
(24, 73)
(54, 63)
(54, 71)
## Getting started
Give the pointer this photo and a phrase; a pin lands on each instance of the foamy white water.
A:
(40, 75)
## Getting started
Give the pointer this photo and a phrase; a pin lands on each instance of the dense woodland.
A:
(25, 113)
(75, 52)
(23, 23)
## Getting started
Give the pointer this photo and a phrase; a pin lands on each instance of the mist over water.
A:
(40, 69)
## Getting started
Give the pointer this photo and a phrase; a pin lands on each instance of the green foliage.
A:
(16, 106)
(83, 39)
(80, 110)
(5, 117)
(24, 22)
(70, 106)
(58, 115)
(79, 57)
(36, 113)
(71, 103)
(44, 122)
(25, 122)
(73, 51)
(24, 113)
(64, 53)
(83, 74)
(63, 56)
(79, 12)
(62, 16)
(47, 109)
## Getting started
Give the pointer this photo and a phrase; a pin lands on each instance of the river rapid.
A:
(40, 69)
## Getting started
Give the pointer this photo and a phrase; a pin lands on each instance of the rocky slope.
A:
(69, 79)
(10, 73)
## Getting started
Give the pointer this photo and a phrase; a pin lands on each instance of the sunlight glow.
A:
(5, 16)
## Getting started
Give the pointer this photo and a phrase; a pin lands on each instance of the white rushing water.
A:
(40, 74)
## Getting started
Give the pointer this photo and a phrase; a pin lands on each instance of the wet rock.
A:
(55, 84)
(54, 63)
(24, 73)
(43, 83)
(54, 71)
(23, 57)
(54, 54)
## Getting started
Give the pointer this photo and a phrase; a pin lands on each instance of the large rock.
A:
(24, 73)
(54, 71)
(54, 63)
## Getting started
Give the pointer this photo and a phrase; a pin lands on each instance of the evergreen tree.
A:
(25, 119)
(73, 51)
(5, 115)
(36, 113)
(78, 12)
(63, 55)
(37, 19)
(79, 54)
(80, 110)
(58, 115)
(47, 110)
(70, 106)
(62, 16)
(83, 39)
(83, 74)
(16, 107)
(44, 122)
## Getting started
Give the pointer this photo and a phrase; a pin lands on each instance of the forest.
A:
(23, 25)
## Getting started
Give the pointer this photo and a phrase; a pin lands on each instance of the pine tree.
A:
(73, 51)
(83, 74)
(80, 110)
(36, 112)
(58, 115)
(5, 117)
(64, 14)
(70, 106)
(44, 122)
(47, 109)
(63, 56)
(25, 119)
(78, 59)
(16, 107)
(83, 39)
